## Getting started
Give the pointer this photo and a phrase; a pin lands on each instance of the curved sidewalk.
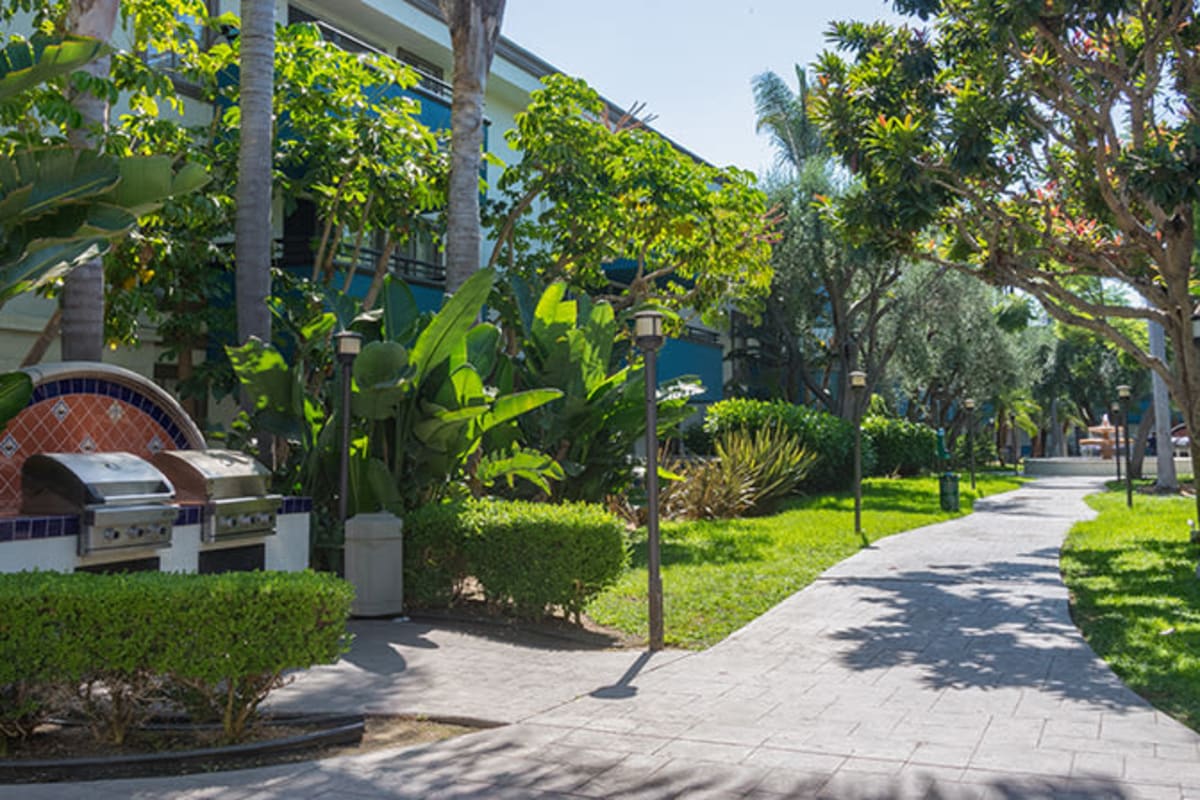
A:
(938, 663)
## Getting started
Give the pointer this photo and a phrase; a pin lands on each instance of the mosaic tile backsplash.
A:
(82, 415)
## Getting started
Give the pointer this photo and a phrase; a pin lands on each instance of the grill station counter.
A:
(122, 501)
(232, 487)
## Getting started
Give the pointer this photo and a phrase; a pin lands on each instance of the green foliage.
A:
(901, 447)
(693, 235)
(574, 346)
(530, 557)
(830, 440)
(16, 389)
(773, 458)
(1135, 597)
(985, 451)
(709, 488)
(116, 642)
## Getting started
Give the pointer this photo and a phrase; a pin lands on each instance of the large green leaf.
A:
(483, 348)
(264, 375)
(24, 65)
(553, 316)
(448, 329)
(400, 312)
(16, 389)
(380, 363)
(64, 174)
(43, 264)
(510, 406)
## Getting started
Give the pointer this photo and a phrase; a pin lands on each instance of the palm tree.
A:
(252, 231)
(82, 300)
(474, 30)
(784, 116)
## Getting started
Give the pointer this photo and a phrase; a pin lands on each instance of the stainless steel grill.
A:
(122, 500)
(232, 486)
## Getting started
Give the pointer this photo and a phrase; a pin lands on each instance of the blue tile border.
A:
(20, 529)
(296, 505)
(65, 386)
(189, 515)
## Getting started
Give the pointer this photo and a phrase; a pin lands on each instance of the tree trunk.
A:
(1166, 480)
(474, 30)
(82, 301)
(252, 248)
(1140, 441)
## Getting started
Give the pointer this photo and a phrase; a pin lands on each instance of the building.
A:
(413, 32)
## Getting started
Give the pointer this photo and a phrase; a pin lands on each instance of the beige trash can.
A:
(375, 564)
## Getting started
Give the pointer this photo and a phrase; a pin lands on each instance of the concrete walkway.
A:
(940, 663)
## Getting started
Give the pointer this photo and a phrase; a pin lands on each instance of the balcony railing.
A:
(294, 252)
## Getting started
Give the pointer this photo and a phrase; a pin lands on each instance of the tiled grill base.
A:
(83, 415)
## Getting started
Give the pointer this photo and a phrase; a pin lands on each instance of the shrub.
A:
(901, 447)
(710, 488)
(829, 438)
(115, 644)
(985, 451)
(536, 555)
(528, 556)
(435, 560)
(28, 663)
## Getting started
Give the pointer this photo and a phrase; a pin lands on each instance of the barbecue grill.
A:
(121, 500)
(232, 487)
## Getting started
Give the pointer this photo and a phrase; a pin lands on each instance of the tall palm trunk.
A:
(82, 301)
(252, 247)
(474, 30)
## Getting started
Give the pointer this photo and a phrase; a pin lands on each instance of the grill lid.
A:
(66, 483)
(213, 474)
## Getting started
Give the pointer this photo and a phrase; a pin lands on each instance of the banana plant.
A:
(572, 345)
(429, 401)
(59, 205)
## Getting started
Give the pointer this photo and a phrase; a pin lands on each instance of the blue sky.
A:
(689, 61)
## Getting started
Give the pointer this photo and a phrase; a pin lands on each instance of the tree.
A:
(615, 210)
(83, 293)
(1035, 145)
(474, 30)
(253, 198)
(828, 298)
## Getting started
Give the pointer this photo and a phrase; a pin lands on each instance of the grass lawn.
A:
(719, 575)
(1135, 596)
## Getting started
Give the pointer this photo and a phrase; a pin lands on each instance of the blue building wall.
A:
(680, 357)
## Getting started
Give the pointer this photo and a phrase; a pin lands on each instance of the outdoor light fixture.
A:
(858, 385)
(969, 405)
(648, 335)
(347, 345)
(1125, 392)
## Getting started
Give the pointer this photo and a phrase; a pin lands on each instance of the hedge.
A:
(527, 556)
(829, 438)
(901, 447)
(121, 645)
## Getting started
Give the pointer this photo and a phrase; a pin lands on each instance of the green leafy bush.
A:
(985, 451)
(528, 556)
(112, 646)
(435, 559)
(709, 488)
(901, 447)
(774, 458)
(828, 438)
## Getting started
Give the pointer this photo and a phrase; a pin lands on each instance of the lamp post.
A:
(858, 385)
(1124, 392)
(347, 345)
(1116, 421)
(648, 335)
(969, 404)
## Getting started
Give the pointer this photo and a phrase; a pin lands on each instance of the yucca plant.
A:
(771, 456)
(709, 488)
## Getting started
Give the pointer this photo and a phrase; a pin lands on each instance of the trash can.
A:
(948, 491)
(375, 564)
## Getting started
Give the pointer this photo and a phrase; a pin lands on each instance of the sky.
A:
(689, 61)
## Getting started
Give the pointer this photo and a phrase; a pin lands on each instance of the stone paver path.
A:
(941, 663)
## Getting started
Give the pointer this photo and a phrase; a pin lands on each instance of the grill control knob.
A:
(111, 533)
(136, 532)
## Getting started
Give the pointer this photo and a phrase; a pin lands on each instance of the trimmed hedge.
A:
(528, 556)
(829, 438)
(120, 645)
(901, 447)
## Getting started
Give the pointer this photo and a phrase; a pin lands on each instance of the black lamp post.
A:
(1125, 392)
(347, 345)
(858, 385)
(1116, 421)
(969, 404)
(648, 335)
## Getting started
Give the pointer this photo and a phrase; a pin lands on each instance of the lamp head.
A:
(347, 345)
(969, 404)
(648, 329)
(858, 380)
(1124, 391)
